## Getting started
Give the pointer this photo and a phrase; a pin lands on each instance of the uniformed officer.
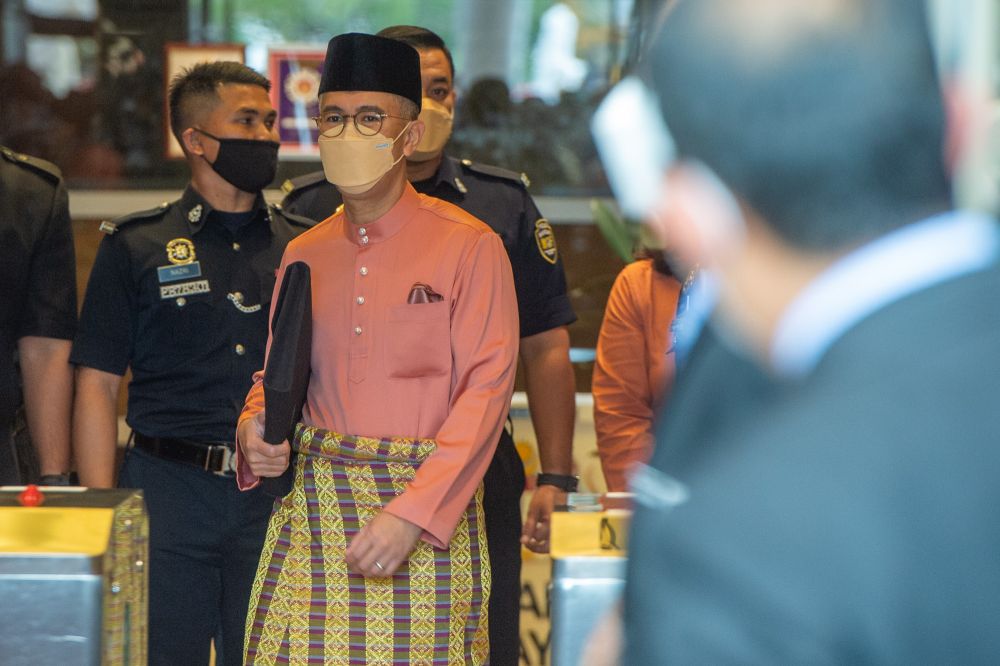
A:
(180, 294)
(37, 311)
(499, 198)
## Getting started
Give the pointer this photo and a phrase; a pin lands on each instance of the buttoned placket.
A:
(237, 273)
(363, 285)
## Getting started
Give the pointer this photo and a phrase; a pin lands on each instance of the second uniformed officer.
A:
(500, 199)
(180, 294)
(37, 312)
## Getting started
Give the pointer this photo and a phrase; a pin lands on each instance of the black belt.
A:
(214, 457)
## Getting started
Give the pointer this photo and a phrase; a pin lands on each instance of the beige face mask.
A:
(437, 130)
(355, 162)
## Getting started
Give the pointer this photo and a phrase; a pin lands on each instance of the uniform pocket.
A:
(418, 340)
(171, 334)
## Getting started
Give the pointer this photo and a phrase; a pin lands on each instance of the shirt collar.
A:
(388, 224)
(695, 304)
(196, 210)
(905, 261)
(448, 174)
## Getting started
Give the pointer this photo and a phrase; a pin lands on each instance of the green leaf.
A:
(618, 232)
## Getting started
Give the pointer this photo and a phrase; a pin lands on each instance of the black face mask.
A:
(247, 164)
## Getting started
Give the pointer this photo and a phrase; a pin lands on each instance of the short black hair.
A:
(196, 89)
(419, 38)
(832, 132)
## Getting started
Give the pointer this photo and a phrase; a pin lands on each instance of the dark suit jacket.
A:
(846, 517)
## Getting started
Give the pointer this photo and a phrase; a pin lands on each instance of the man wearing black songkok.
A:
(378, 554)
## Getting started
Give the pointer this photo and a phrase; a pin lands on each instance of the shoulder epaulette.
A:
(497, 172)
(303, 182)
(47, 169)
(111, 226)
(297, 220)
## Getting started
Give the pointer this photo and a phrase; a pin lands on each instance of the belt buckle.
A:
(225, 463)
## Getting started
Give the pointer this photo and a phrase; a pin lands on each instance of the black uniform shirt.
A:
(184, 302)
(499, 198)
(37, 262)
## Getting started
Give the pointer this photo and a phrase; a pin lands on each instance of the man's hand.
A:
(535, 535)
(265, 460)
(549, 384)
(382, 545)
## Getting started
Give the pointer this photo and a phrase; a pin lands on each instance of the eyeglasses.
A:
(368, 123)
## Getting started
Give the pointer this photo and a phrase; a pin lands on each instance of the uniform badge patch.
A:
(184, 289)
(180, 251)
(175, 272)
(546, 241)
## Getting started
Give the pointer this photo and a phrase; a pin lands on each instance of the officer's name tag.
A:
(174, 273)
(184, 289)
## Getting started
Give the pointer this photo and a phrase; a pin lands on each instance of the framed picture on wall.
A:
(295, 73)
(178, 57)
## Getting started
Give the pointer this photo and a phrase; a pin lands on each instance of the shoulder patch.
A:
(47, 169)
(496, 172)
(111, 226)
(303, 182)
(546, 241)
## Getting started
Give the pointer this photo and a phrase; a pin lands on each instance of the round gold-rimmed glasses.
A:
(368, 123)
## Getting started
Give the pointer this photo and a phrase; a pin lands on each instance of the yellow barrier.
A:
(536, 569)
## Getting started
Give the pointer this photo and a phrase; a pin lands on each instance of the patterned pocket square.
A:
(421, 293)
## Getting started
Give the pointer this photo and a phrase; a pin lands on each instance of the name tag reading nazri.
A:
(184, 289)
(173, 273)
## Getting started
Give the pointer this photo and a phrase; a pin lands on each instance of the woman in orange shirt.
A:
(635, 364)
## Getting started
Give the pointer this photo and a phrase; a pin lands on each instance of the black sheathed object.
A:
(286, 373)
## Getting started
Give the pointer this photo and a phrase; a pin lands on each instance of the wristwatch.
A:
(564, 482)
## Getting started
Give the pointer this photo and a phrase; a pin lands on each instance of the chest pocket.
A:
(418, 340)
(172, 334)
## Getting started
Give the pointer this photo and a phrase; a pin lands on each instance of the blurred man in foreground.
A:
(840, 512)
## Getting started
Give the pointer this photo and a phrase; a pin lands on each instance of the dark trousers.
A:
(205, 538)
(502, 488)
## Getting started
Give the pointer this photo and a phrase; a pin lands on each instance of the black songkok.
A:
(355, 61)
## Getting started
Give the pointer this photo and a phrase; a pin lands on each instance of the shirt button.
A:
(362, 231)
(364, 270)
(357, 330)
(240, 349)
(361, 300)
(364, 240)
(236, 247)
(181, 302)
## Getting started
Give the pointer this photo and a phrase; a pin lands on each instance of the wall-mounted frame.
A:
(178, 56)
(295, 73)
